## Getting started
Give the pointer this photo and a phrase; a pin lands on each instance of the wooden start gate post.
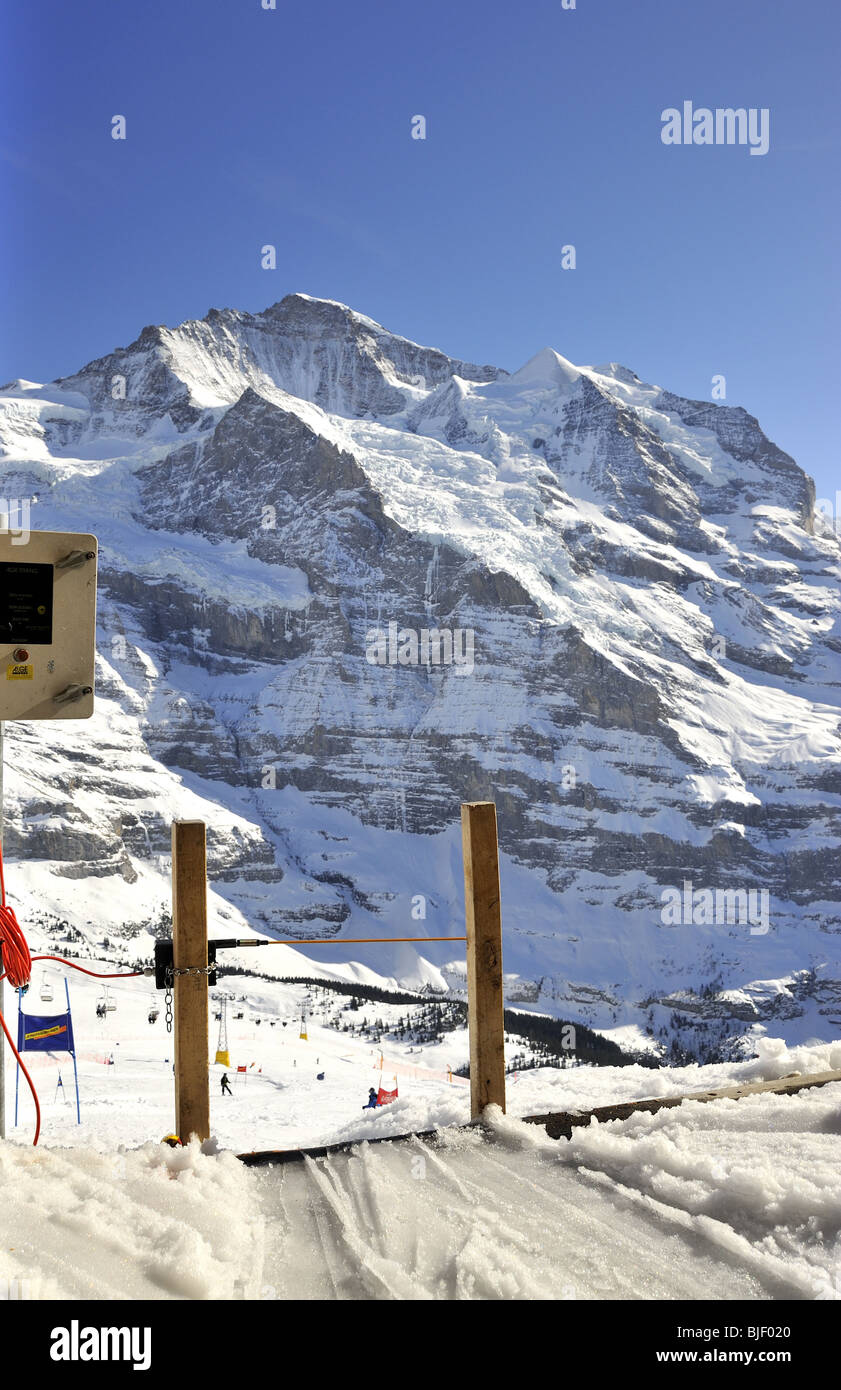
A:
(483, 916)
(189, 949)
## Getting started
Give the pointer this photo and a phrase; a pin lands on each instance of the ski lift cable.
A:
(334, 941)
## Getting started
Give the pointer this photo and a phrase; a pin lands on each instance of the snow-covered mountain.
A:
(653, 697)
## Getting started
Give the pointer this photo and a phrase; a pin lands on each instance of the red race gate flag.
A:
(386, 1097)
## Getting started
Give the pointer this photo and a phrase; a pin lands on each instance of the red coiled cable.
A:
(17, 966)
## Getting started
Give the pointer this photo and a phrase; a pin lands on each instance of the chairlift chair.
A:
(46, 992)
(104, 1004)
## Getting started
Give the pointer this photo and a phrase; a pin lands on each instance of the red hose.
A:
(17, 961)
(17, 964)
(120, 975)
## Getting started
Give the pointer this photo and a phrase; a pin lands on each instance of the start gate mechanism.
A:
(164, 957)
(47, 625)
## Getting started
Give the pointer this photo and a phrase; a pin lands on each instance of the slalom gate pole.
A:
(73, 1055)
(2, 982)
(3, 1057)
(17, 1064)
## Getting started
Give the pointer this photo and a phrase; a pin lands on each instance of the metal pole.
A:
(17, 1064)
(2, 1056)
(73, 1054)
(2, 984)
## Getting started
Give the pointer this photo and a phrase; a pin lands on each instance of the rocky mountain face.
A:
(286, 504)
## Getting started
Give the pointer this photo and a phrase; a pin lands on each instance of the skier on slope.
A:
(226, 1090)
(372, 1100)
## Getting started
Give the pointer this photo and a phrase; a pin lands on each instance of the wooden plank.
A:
(189, 945)
(260, 1157)
(560, 1124)
(483, 915)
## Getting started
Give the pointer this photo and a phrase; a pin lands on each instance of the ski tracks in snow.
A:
(480, 1213)
(480, 1217)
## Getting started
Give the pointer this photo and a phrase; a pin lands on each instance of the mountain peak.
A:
(648, 607)
(547, 368)
(315, 305)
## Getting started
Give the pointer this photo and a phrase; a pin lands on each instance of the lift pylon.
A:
(223, 1056)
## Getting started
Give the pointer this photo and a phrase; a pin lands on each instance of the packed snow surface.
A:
(727, 1200)
(735, 1200)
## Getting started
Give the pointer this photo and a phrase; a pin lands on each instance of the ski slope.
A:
(126, 1082)
(503, 1214)
(729, 1200)
(126, 1079)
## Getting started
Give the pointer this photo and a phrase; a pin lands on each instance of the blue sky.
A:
(248, 126)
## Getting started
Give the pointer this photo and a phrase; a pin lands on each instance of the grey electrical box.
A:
(47, 624)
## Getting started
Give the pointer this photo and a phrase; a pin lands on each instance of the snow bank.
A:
(757, 1177)
(585, 1088)
(151, 1223)
(724, 1201)
(775, 1060)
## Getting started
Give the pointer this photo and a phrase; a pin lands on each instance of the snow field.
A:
(728, 1200)
(656, 1207)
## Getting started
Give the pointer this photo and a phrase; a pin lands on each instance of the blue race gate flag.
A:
(51, 1034)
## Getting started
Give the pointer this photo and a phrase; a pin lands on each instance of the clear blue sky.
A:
(247, 126)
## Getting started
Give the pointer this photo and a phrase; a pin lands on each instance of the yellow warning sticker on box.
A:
(20, 672)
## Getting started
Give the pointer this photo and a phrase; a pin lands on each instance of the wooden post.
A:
(189, 948)
(484, 956)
